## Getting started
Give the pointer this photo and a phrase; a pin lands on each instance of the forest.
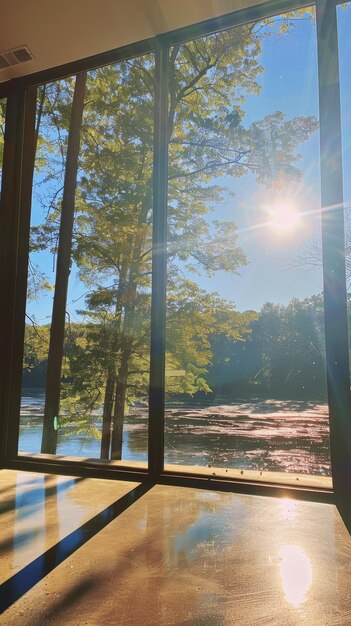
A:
(281, 356)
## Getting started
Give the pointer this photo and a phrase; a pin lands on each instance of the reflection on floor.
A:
(175, 557)
(37, 511)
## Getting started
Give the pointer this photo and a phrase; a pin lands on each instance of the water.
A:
(271, 435)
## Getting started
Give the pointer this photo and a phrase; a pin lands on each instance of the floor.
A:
(97, 552)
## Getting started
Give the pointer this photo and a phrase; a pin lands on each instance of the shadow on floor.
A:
(16, 586)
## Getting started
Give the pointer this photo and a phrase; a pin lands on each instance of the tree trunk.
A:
(107, 416)
(120, 399)
(129, 311)
(111, 371)
(57, 330)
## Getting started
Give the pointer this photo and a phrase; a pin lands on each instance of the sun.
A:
(284, 218)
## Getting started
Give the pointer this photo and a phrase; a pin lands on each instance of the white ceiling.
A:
(59, 31)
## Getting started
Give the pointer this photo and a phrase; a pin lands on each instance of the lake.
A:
(270, 435)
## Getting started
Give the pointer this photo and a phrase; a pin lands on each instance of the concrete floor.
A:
(176, 557)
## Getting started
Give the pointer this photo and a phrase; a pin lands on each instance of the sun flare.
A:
(284, 218)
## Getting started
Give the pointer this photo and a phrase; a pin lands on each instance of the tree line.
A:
(282, 355)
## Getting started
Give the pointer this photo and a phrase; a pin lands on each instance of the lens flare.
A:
(284, 218)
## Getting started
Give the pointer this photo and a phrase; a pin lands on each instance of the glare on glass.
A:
(245, 371)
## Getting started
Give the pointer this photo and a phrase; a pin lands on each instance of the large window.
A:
(182, 306)
(86, 355)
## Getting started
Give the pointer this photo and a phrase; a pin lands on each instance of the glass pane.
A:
(86, 363)
(245, 372)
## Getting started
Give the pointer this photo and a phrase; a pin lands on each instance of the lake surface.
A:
(271, 435)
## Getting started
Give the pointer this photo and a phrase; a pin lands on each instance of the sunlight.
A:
(295, 573)
(284, 218)
(288, 508)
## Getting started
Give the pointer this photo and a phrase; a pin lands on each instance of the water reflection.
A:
(269, 435)
(208, 528)
(295, 574)
(38, 507)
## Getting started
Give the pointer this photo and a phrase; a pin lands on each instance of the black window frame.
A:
(14, 236)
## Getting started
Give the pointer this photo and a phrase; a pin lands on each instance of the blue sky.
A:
(289, 84)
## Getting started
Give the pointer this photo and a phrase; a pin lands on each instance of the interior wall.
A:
(61, 31)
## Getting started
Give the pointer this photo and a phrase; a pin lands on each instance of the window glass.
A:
(245, 374)
(86, 361)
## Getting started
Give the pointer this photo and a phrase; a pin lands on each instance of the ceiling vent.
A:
(15, 56)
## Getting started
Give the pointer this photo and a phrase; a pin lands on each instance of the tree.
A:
(36, 342)
(57, 329)
(283, 355)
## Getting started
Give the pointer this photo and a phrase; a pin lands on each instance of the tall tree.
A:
(53, 383)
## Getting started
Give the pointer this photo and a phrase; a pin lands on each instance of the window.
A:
(86, 354)
(245, 372)
(182, 307)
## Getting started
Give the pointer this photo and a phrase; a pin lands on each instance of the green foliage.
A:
(193, 316)
(278, 352)
(282, 357)
(36, 343)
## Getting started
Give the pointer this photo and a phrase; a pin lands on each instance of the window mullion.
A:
(158, 309)
(335, 300)
(15, 220)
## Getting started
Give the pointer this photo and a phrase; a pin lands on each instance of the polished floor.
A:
(171, 557)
